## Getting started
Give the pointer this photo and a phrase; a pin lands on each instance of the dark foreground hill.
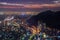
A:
(52, 19)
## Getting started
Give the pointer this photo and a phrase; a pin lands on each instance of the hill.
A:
(51, 18)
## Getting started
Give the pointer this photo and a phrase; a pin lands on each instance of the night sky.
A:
(29, 5)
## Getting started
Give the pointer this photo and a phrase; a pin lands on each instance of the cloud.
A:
(56, 1)
(34, 6)
(5, 3)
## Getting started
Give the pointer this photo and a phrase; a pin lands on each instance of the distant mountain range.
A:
(51, 18)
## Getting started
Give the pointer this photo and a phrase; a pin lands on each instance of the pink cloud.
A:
(34, 6)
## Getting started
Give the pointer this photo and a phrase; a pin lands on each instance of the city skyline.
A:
(18, 13)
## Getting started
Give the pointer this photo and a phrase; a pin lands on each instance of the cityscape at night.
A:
(29, 19)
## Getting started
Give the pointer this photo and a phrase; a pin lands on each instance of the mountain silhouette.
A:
(51, 18)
